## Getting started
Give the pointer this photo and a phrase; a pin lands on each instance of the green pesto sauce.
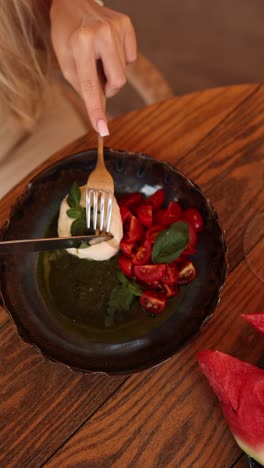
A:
(77, 292)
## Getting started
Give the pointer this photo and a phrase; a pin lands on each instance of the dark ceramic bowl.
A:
(35, 322)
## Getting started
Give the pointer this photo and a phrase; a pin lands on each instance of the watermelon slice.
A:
(239, 387)
(257, 320)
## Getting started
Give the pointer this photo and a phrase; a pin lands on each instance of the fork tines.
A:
(94, 198)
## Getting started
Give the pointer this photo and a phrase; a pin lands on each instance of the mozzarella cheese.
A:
(102, 251)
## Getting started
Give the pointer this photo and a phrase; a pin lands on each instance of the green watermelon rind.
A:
(259, 456)
(222, 370)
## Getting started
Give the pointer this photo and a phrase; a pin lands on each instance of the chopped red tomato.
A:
(179, 261)
(188, 251)
(143, 255)
(156, 199)
(158, 216)
(193, 216)
(145, 215)
(125, 265)
(191, 247)
(152, 233)
(172, 213)
(156, 285)
(127, 249)
(149, 273)
(187, 273)
(170, 290)
(171, 274)
(143, 220)
(125, 214)
(134, 230)
(132, 200)
(153, 302)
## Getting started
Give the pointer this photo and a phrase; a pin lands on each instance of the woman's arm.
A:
(83, 32)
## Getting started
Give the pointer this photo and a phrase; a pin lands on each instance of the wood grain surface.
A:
(167, 416)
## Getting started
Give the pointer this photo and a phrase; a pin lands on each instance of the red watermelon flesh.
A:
(239, 387)
(257, 320)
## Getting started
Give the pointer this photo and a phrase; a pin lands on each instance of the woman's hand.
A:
(82, 33)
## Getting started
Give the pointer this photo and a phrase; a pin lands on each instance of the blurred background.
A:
(196, 44)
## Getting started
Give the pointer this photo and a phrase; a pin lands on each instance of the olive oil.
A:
(77, 292)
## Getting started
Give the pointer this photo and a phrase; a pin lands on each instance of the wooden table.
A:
(167, 416)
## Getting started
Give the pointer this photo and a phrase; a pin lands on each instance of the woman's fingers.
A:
(130, 41)
(83, 33)
(89, 83)
(112, 56)
(69, 72)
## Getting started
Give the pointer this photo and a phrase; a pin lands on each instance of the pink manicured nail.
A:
(102, 128)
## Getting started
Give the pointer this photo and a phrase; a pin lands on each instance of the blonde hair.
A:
(25, 57)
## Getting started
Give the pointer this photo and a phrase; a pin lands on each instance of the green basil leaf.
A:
(170, 243)
(134, 288)
(74, 213)
(78, 227)
(120, 298)
(119, 304)
(122, 278)
(74, 196)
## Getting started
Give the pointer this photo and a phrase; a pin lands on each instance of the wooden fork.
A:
(99, 194)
